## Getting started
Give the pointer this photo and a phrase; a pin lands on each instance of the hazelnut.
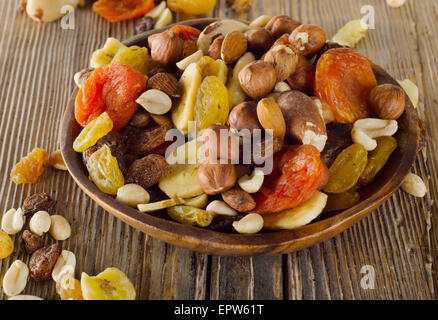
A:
(166, 47)
(233, 46)
(216, 178)
(388, 101)
(304, 121)
(244, 116)
(219, 143)
(284, 39)
(258, 79)
(304, 75)
(308, 39)
(271, 117)
(284, 60)
(280, 25)
(215, 48)
(259, 40)
(239, 200)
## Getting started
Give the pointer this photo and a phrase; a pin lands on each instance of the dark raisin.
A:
(37, 202)
(144, 24)
(339, 138)
(31, 241)
(42, 262)
(147, 171)
(140, 119)
(147, 140)
(114, 141)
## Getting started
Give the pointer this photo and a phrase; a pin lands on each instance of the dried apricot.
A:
(378, 158)
(92, 132)
(212, 105)
(112, 88)
(191, 6)
(104, 171)
(344, 78)
(119, 10)
(347, 168)
(186, 32)
(30, 168)
(298, 172)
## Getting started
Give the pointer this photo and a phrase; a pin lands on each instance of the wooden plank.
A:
(394, 239)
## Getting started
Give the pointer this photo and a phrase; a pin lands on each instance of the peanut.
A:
(414, 185)
(15, 278)
(221, 208)
(132, 195)
(155, 101)
(13, 221)
(40, 223)
(249, 224)
(66, 263)
(59, 228)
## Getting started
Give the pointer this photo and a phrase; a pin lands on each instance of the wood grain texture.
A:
(400, 240)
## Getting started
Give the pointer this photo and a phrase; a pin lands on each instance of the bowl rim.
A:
(228, 244)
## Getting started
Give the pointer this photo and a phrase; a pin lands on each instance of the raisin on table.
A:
(30, 168)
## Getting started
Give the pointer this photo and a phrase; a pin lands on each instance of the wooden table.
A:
(398, 241)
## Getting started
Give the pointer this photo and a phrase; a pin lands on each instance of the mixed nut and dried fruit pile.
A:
(50, 261)
(239, 126)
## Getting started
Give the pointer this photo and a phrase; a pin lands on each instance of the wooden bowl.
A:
(278, 242)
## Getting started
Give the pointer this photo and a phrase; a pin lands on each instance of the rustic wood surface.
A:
(399, 240)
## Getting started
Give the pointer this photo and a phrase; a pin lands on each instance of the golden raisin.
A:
(30, 168)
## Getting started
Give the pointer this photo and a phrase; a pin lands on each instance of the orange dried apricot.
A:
(186, 32)
(119, 10)
(112, 88)
(298, 172)
(30, 168)
(344, 78)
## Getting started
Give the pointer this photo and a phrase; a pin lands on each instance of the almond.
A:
(271, 117)
(233, 46)
(165, 82)
(239, 200)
